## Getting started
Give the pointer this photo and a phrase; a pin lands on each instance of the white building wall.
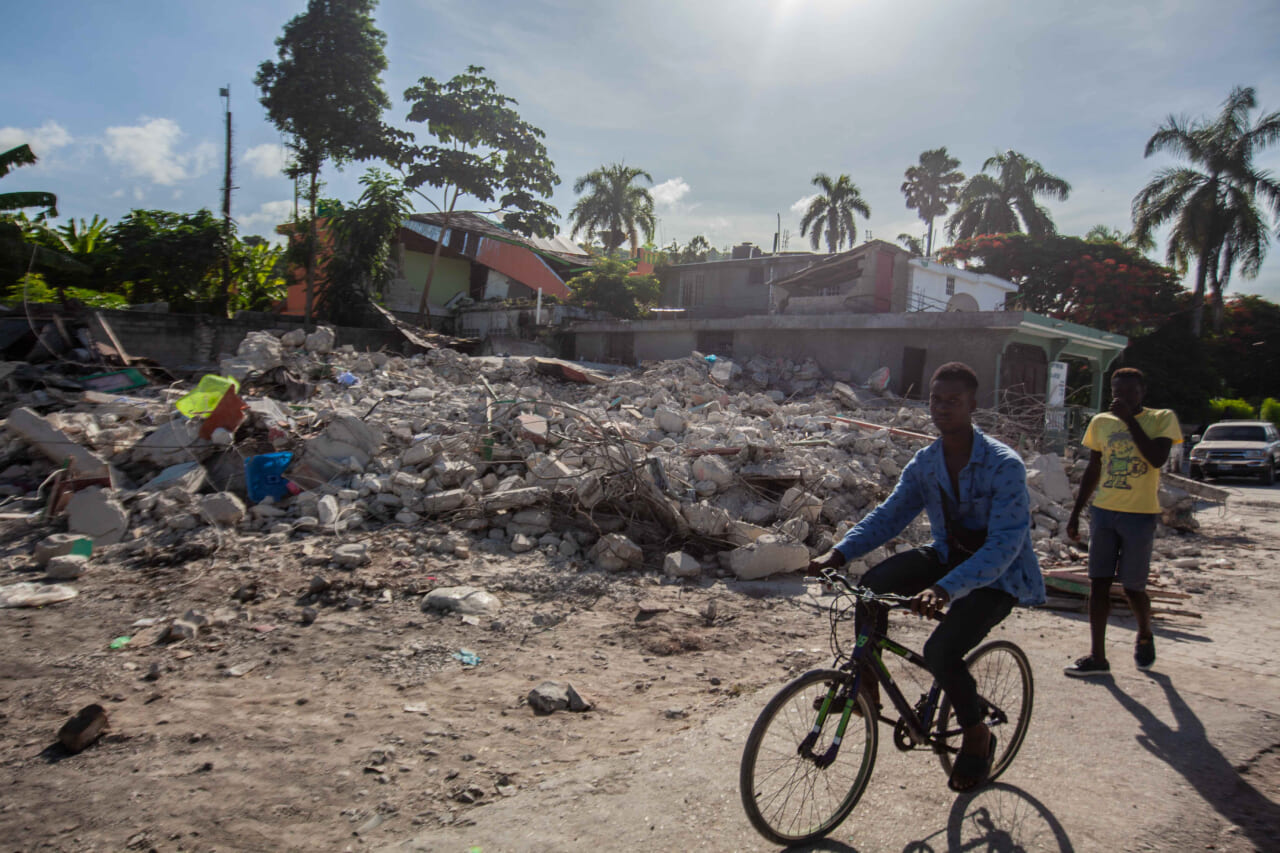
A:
(928, 287)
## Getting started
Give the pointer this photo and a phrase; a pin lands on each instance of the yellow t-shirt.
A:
(1129, 483)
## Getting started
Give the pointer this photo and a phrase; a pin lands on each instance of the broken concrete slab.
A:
(321, 341)
(222, 508)
(1053, 481)
(55, 444)
(446, 501)
(616, 553)
(511, 498)
(669, 420)
(190, 477)
(29, 594)
(713, 468)
(66, 567)
(768, 555)
(797, 503)
(95, 513)
(678, 564)
(352, 555)
(468, 600)
(54, 545)
(706, 519)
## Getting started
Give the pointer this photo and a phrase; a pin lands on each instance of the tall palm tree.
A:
(831, 213)
(1006, 201)
(931, 186)
(615, 208)
(911, 243)
(12, 159)
(1212, 204)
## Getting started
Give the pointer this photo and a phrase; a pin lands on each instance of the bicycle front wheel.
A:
(1003, 674)
(788, 797)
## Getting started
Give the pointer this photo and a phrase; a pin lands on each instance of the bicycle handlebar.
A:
(896, 602)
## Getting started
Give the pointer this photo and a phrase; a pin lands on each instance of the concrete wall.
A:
(726, 290)
(199, 340)
(453, 275)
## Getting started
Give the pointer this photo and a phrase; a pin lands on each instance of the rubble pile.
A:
(692, 466)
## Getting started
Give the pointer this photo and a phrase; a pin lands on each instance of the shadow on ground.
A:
(1186, 748)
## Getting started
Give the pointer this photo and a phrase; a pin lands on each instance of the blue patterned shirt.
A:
(993, 497)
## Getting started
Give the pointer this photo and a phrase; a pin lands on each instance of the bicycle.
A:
(795, 783)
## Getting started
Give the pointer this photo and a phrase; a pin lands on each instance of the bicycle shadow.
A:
(1000, 818)
(1187, 750)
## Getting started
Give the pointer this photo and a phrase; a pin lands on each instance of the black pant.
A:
(969, 619)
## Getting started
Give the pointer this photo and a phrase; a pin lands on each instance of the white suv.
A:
(1237, 449)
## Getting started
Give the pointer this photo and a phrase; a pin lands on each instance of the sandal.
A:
(975, 767)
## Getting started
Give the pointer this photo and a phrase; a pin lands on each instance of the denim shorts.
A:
(1120, 546)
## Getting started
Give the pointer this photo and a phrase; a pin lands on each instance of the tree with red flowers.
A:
(1100, 284)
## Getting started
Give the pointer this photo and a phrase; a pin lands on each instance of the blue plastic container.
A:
(264, 475)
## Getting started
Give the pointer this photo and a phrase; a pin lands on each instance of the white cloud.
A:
(802, 204)
(668, 193)
(267, 161)
(265, 219)
(43, 140)
(150, 150)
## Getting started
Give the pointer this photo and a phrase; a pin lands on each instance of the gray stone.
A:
(514, 498)
(468, 600)
(706, 519)
(294, 338)
(182, 521)
(797, 503)
(188, 476)
(96, 514)
(551, 696)
(521, 543)
(1053, 479)
(321, 341)
(222, 508)
(66, 567)
(352, 555)
(678, 564)
(616, 553)
(669, 420)
(446, 501)
(768, 555)
(714, 469)
(327, 510)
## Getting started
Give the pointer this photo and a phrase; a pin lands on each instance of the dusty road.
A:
(363, 732)
(1185, 757)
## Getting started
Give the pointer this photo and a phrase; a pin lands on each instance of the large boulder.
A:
(616, 553)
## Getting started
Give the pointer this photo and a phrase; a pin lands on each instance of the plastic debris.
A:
(467, 657)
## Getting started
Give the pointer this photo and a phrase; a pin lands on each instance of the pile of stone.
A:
(692, 465)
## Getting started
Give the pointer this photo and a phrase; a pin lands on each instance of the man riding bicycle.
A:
(981, 562)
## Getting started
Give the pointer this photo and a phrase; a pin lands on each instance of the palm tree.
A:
(931, 186)
(1212, 203)
(1106, 234)
(12, 159)
(614, 207)
(1006, 202)
(832, 212)
(911, 243)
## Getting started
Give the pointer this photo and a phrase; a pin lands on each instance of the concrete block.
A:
(797, 503)
(616, 553)
(54, 545)
(446, 501)
(768, 555)
(1053, 481)
(678, 564)
(351, 556)
(669, 420)
(321, 341)
(190, 477)
(706, 519)
(96, 514)
(514, 498)
(713, 468)
(222, 508)
(54, 443)
(66, 567)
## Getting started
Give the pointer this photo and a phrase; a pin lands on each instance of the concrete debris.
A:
(28, 594)
(680, 565)
(66, 567)
(54, 545)
(757, 462)
(616, 553)
(467, 600)
(98, 515)
(83, 729)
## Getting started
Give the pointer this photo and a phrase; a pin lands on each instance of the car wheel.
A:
(1268, 475)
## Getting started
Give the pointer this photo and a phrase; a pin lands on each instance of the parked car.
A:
(1237, 449)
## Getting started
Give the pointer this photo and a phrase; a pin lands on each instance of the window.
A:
(951, 285)
(692, 286)
(829, 290)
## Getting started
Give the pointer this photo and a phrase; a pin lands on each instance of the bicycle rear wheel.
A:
(787, 796)
(1003, 674)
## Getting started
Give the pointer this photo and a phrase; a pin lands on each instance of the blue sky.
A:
(731, 105)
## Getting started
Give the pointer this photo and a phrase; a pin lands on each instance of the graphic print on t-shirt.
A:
(1123, 461)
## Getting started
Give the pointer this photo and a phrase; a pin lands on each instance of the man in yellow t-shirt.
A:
(1128, 446)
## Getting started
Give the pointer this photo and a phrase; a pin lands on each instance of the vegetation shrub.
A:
(1225, 409)
(1270, 410)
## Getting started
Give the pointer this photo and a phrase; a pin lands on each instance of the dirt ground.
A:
(363, 731)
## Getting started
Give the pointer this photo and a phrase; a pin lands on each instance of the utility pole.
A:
(225, 94)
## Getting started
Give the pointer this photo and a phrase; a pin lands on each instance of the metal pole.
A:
(226, 208)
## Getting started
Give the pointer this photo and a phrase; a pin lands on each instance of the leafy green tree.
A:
(612, 207)
(260, 274)
(325, 94)
(930, 187)
(1214, 204)
(361, 264)
(831, 213)
(18, 252)
(610, 286)
(483, 149)
(911, 243)
(158, 255)
(696, 251)
(1005, 202)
